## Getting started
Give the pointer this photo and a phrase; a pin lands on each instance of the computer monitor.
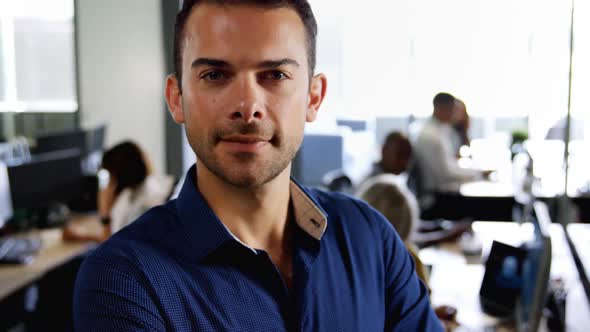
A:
(92, 156)
(48, 178)
(516, 278)
(75, 139)
(536, 270)
(95, 139)
(5, 197)
(318, 155)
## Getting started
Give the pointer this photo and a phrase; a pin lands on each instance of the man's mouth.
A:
(244, 143)
(244, 139)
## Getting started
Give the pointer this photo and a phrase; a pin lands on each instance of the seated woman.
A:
(390, 197)
(131, 189)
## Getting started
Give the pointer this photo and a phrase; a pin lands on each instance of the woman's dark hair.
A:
(126, 163)
(300, 6)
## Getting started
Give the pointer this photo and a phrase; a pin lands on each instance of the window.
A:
(37, 56)
(505, 59)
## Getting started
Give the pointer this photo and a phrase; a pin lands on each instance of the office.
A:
(117, 92)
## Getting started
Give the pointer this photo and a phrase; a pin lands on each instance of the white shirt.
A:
(434, 154)
(132, 203)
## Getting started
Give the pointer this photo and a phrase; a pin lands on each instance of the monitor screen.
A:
(95, 139)
(46, 179)
(536, 270)
(5, 197)
(76, 139)
(318, 155)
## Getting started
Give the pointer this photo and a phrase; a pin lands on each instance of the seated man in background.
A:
(387, 191)
(131, 189)
(434, 154)
(395, 155)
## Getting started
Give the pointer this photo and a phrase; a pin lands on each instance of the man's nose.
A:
(250, 101)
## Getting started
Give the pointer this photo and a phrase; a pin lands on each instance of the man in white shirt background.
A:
(435, 159)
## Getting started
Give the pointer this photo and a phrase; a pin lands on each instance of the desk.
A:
(54, 252)
(495, 199)
(487, 189)
(456, 279)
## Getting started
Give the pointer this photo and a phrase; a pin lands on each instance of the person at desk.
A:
(244, 247)
(395, 155)
(386, 189)
(390, 197)
(434, 154)
(131, 189)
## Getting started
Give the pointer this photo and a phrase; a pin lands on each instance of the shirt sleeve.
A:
(108, 297)
(407, 303)
(444, 164)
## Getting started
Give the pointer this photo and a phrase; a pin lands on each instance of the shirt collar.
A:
(439, 123)
(204, 233)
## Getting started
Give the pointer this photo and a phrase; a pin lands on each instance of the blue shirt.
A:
(178, 268)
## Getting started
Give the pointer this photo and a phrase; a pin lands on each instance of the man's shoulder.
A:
(348, 211)
(329, 200)
(429, 130)
(141, 237)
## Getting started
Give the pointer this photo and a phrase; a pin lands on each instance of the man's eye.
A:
(275, 75)
(214, 76)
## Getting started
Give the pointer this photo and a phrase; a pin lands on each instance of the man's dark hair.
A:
(443, 98)
(400, 141)
(300, 6)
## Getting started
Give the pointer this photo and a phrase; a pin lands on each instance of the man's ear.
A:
(174, 98)
(317, 92)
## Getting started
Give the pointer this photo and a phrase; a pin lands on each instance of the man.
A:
(396, 153)
(435, 156)
(245, 248)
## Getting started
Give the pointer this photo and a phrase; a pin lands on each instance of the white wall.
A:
(122, 71)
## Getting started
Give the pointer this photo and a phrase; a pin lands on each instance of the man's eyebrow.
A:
(277, 63)
(210, 63)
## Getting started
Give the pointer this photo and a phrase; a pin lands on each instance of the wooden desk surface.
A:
(54, 252)
(455, 279)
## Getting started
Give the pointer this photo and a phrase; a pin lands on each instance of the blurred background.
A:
(78, 77)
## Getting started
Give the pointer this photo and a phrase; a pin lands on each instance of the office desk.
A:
(456, 279)
(495, 199)
(54, 252)
(487, 189)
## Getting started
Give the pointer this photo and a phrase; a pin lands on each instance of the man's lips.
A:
(244, 139)
(244, 143)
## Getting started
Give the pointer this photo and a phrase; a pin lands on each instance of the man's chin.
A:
(246, 181)
(249, 176)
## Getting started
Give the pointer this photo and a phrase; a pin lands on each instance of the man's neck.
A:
(256, 216)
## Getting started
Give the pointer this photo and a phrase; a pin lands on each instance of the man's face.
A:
(396, 158)
(444, 112)
(246, 92)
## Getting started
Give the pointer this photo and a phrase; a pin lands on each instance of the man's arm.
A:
(444, 165)
(109, 297)
(407, 303)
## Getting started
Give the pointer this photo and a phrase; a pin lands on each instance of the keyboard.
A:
(19, 250)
